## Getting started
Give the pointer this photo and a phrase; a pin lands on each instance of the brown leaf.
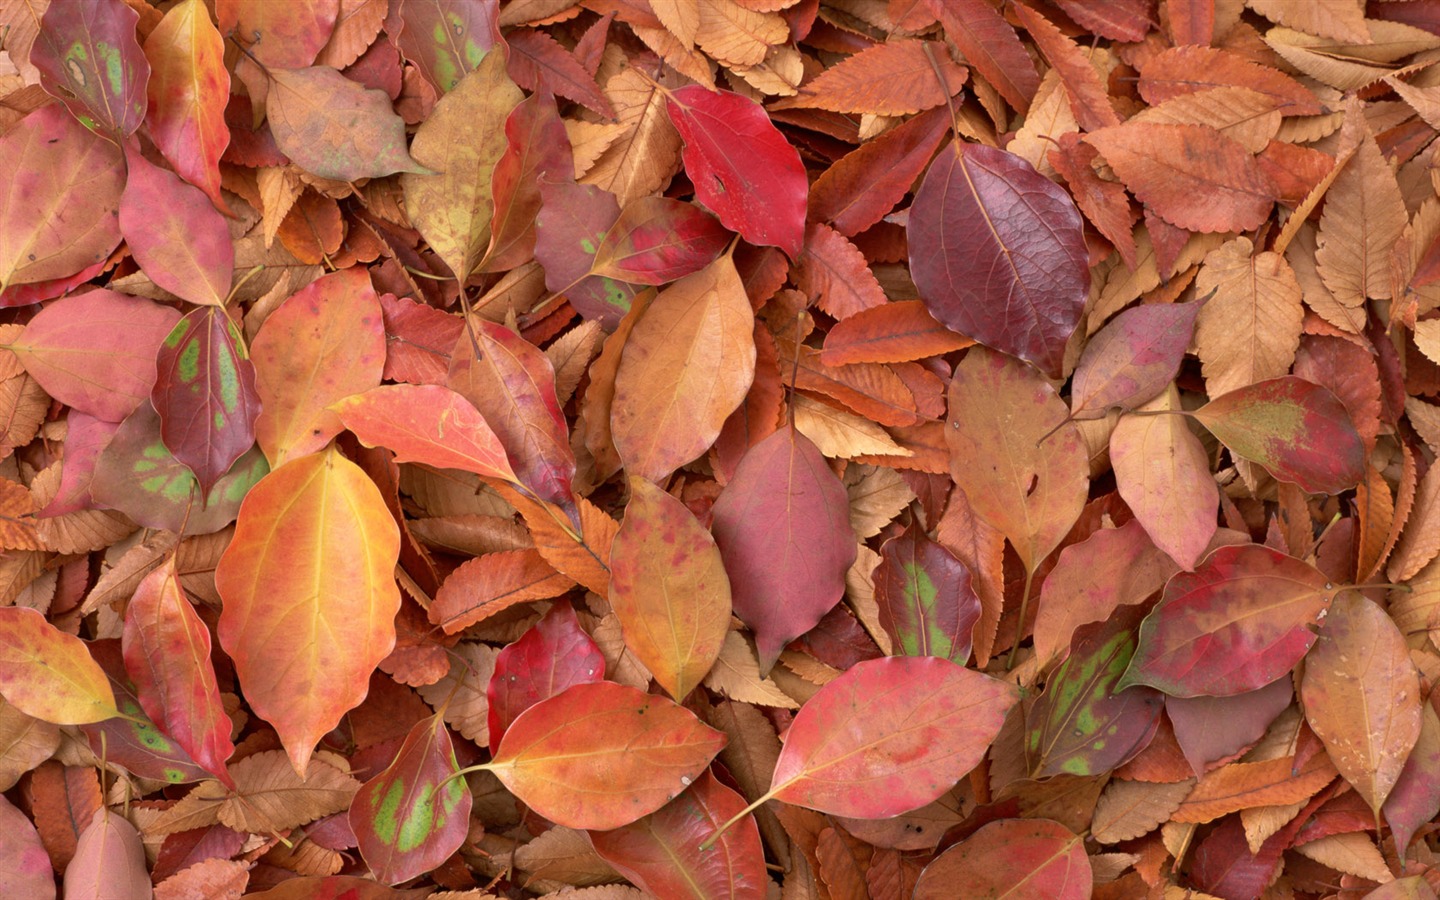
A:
(1249, 330)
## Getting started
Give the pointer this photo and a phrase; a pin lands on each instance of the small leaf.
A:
(657, 240)
(742, 167)
(888, 79)
(205, 395)
(176, 235)
(427, 424)
(411, 817)
(1012, 858)
(783, 528)
(975, 210)
(333, 127)
(49, 674)
(888, 736)
(552, 655)
(669, 588)
(602, 755)
(898, 331)
(1242, 619)
(87, 56)
(1132, 358)
(1298, 431)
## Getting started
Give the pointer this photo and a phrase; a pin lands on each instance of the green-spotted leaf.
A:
(1297, 430)
(409, 819)
(1245, 617)
(139, 476)
(573, 220)
(926, 601)
(1082, 725)
(602, 755)
(205, 394)
(49, 674)
(136, 744)
(448, 38)
(88, 56)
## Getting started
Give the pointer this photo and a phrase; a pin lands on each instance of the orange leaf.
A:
(892, 79)
(49, 674)
(896, 331)
(1243, 785)
(488, 584)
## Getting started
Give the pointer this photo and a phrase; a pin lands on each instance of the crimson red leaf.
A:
(554, 654)
(743, 169)
(998, 253)
(657, 240)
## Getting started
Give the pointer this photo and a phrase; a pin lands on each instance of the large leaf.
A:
(553, 655)
(1011, 858)
(175, 234)
(324, 343)
(658, 852)
(602, 755)
(669, 588)
(109, 861)
(462, 140)
(334, 127)
(428, 424)
(87, 55)
(411, 817)
(686, 366)
(1297, 430)
(308, 584)
(167, 653)
(25, 869)
(537, 150)
(926, 602)
(743, 169)
(1019, 477)
(998, 253)
(783, 527)
(96, 351)
(58, 216)
(1242, 619)
(205, 395)
(49, 674)
(188, 89)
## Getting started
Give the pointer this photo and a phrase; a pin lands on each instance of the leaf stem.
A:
(763, 798)
(1020, 624)
(241, 283)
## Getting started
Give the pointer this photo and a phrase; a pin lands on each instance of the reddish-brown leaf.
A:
(1012, 858)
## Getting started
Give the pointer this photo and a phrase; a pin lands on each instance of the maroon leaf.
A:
(573, 220)
(998, 253)
(537, 150)
(926, 602)
(88, 56)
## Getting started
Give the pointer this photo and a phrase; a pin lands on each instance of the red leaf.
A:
(975, 211)
(550, 657)
(990, 44)
(926, 602)
(189, 87)
(537, 59)
(657, 240)
(87, 56)
(177, 237)
(866, 184)
(428, 424)
(743, 169)
(897, 331)
(537, 150)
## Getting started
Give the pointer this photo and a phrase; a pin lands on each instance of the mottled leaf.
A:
(448, 39)
(88, 57)
(49, 674)
(1132, 358)
(335, 128)
(552, 655)
(926, 602)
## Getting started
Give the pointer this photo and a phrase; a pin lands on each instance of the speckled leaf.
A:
(602, 755)
(1297, 430)
(205, 395)
(1242, 619)
(49, 674)
(411, 817)
(926, 602)
(998, 253)
(889, 735)
(669, 588)
(167, 653)
(1132, 358)
(448, 38)
(136, 744)
(657, 240)
(1082, 725)
(335, 128)
(573, 220)
(175, 234)
(88, 57)
(783, 528)
(189, 87)
(548, 658)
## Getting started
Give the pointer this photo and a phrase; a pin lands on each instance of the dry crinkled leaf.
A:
(736, 674)
(270, 796)
(1130, 809)
(890, 79)
(1340, 19)
(1249, 330)
(840, 434)
(462, 691)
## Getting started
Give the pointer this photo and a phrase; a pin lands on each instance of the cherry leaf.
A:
(448, 40)
(550, 657)
(87, 56)
(49, 674)
(25, 868)
(428, 424)
(188, 89)
(109, 860)
(1132, 358)
(176, 235)
(1012, 858)
(334, 127)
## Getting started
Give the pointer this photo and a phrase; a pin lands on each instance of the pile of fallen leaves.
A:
(719, 448)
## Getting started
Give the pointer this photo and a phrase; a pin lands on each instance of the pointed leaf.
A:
(898, 331)
(411, 817)
(492, 583)
(602, 755)
(205, 395)
(991, 45)
(49, 674)
(926, 602)
(1029, 486)
(325, 343)
(96, 351)
(891, 79)
(1250, 327)
(867, 183)
(136, 744)
(1361, 695)
(1215, 728)
(1300, 432)
(686, 366)
(428, 424)
(308, 584)
(447, 39)
(88, 57)
(462, 140)
(1132, 358)
(743, 169)
(333, 127)
(550, 657)
(109, 860)
(657, 853)
(889, 735)
(998, 253)
(537, 149)
(167, 653)
(512, 384)
(176, 235)
(669, 588)
(658, 240)
(188, 89)
(1012, 858)
(1241, 620)
(58, 216)
(783, 528)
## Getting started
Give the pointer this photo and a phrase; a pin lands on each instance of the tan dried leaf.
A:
(736, 36)
(1364, 216)
(641, 159)
(1250, 329)
(471, 665)
(840, 434)
(877, 495)
(1420, 540)
(736, 674)
(564, 854)
(1426, 419)
(77, 532)
(1247, 117)
(1354, 854)
(1340, 19)
(1129, 809)
(270, 796)
(25, 743)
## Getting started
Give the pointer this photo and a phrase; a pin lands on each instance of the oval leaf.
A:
(427, 424)
(889, 735)
(189, 87)
(334, 127)
(926, 602)
(109, 861)
(49, 674)
(998, 253)
(176, 235)
(657, 240)
(783, 528)
(308, 584)
(87, 56)
(602, 755)
(669, 588)
(550, 657)
(25, 869)
(1132, 358)
(1011, 858)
